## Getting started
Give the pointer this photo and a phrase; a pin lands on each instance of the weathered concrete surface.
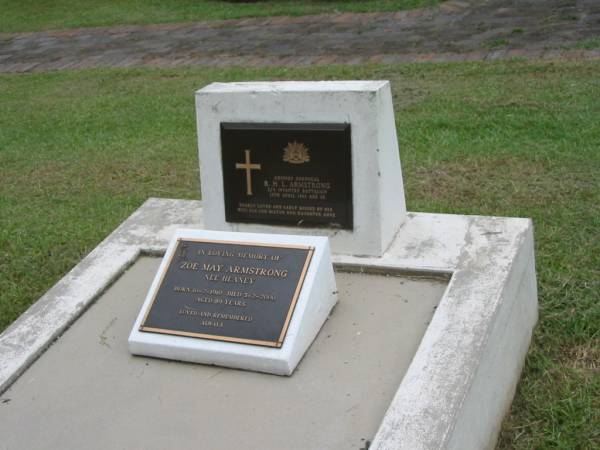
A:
(456, 30)
(88, 392)
(462, 377)
(463, 381)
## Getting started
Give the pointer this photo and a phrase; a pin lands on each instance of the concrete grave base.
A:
(334, 400)
(388, 366)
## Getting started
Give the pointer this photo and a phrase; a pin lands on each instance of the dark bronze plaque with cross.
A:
(288, 174)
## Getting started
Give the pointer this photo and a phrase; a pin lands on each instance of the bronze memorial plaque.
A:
(288, 174)
(229, 291)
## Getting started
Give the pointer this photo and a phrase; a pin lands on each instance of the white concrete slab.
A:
(317, 296)
(88, 392)
(462, 377)
(379, 207)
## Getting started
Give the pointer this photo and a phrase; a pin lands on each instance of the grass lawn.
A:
(35, 15)
(81, 150)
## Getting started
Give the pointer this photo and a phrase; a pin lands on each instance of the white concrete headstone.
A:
(314, 297)
(378, 203)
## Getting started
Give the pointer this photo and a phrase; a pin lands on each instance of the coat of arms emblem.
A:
(296, 153)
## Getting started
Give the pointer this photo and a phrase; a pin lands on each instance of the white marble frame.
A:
(460, 382)
(379, 207)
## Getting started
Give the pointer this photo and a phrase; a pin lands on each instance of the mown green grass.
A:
(35, 15)
(80, 151)
(588, 44)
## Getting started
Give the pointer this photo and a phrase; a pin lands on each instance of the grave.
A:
(423, 349)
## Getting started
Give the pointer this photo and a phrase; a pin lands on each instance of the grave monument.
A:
(253, 302)
(317, 158)
(423, 349)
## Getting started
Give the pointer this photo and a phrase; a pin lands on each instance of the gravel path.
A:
(454, 31)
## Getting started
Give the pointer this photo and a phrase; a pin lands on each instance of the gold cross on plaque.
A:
(248, 167)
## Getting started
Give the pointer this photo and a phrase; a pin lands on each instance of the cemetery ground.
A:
(81, 150)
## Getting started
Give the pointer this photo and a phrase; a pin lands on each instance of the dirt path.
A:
(456, 30)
